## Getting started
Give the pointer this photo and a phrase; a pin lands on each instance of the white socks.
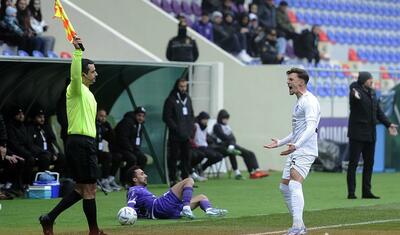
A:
(286, 195)
(237, 172)
(297, 202)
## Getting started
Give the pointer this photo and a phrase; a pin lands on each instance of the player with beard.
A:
(302, 146)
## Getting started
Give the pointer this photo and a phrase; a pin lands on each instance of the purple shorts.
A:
(168, 206)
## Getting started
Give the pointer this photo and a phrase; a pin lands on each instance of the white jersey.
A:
(306, 109)
(200, 137)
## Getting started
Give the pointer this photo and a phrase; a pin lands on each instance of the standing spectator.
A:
(204, 27)
(254, 31)
(109, 159)
(284, 26)
(129, 139)
(182, 47)
(39, 26)
(201, 150)
(179, 118)
(227, 146)
(365, 113)
(269, 49)
(81, 143)
(24, 20)
(306, 45)
(44, 139)
(267, 14)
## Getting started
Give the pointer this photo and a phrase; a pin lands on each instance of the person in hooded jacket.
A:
(129, 133)
(182, 47)
(228, 147)
(179, 118)
(201, 149)
(365, 113)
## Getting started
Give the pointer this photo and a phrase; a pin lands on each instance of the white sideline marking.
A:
(331, 226)
(113, 31)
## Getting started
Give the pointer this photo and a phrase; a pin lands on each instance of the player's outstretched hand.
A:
(272, 145)
(291, 149)
(76, 41)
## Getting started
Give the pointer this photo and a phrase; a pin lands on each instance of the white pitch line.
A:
(332, 226)
(113, 31)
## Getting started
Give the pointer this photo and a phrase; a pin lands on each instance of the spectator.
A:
(267, 14)
(11, 165)
(182, 47)
(227, 146)
(11, 22)
(30, 42)
(228, 6)
(204, 27)
(7, 35)
(20, 143)
(306, 45)
(179, 118)
(201, 150)
(269, 49)
(129, 140)
(109, 159)
(44, 140)
(284, 26)
(39, 26)
(253, 8)
(254, 31)
(210, 5)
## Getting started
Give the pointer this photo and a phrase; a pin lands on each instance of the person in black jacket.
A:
(179, 118)
(182, 47)
(44, 139)
(129, 139)
(365, 113)
(228, 147)
(109, 159)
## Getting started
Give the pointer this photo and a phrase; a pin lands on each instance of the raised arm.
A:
(76, 69)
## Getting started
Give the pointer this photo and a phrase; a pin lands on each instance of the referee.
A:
(81, 148)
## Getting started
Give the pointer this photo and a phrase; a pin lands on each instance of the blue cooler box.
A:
(54, 185)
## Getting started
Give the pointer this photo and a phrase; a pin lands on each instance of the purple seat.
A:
(156, 2)
(186, 8)
(22, 53)
(38, 54)
(52, 54)
(196, 9)
(176, 7)
(166, 6)
(8, 53)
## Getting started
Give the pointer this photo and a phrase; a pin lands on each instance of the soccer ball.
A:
(127, 216)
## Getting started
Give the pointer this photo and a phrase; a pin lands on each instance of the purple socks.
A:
(187, 195)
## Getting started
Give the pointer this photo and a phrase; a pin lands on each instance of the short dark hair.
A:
(85, 65)
(301, 73)
(131, 173)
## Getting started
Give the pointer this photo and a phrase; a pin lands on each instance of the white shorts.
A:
(301, 163)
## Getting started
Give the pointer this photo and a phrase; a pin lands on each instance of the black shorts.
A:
(82, 158)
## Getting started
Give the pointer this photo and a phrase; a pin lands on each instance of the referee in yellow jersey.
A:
(81, 148)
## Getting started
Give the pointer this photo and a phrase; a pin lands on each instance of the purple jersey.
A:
(148, 205)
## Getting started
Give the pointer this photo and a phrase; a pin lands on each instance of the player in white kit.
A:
(302, 146)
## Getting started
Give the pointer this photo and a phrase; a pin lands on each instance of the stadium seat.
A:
(8, 53)
(22, 53)
(37, 54)
(353, 55)
(338, 71)
(156, 2)
(65, 55)
(52, 54)
(176, 7)
(196, 9)
(186, 8)
(292, 17)
(166, 6)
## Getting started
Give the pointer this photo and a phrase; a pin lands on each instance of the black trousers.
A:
(178, 151)
(248, 156)
(367, 149)
(198, 154)
(110, 162)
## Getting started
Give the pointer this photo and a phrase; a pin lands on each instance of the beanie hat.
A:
(140, 109)
(203, 115)
(11, 11)
(363, 77)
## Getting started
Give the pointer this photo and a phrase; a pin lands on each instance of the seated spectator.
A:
(204, 27)
(182, 47)
(269, 49)
(30, 42)
(20, 143)
(44, 139)
(306, 45)
(10, 31)
(253, 32)
(228, 6)
(110, 160)
(176, 203)
(267, 14)
(39, 26)
(129, 139)
(11, 165)
(253, 8)
(228, 147)
(284, 26)
(201, 150)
